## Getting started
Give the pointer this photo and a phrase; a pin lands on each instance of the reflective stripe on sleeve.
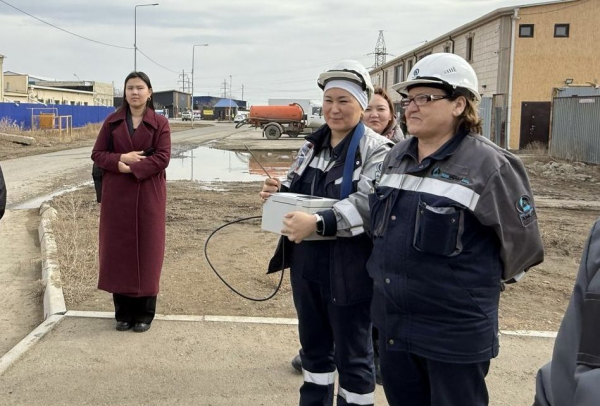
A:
(356, 398)
(459, 193)
(351, 215)
(324, 379)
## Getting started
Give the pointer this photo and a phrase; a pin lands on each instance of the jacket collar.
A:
(410, 147)
(149, 117)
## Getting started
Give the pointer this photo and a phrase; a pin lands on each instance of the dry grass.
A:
(89, 132)
(537, 148)
(76, 233)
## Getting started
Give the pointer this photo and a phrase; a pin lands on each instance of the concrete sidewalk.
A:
(236, 361)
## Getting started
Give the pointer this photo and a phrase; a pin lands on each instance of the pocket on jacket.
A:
(438, 230)
(380, 205)
(589, 344)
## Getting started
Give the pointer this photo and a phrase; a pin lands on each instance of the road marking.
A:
(177, 317)
(268, 320)
(26, 343)
(530, 333)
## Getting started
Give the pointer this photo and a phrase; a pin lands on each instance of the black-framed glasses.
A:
(421, 99)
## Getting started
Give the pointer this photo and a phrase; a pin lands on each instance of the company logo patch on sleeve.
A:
(526, 210)
(378, 170)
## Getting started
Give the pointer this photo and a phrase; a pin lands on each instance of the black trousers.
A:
(333, 337)
(410, 380)
(134, 309)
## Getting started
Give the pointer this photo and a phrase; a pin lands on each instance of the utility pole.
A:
(242, 92)
(230, 99)
(380, 51)
(224, 89)
(184, 78)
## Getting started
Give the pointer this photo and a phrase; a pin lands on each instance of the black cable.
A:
(153, 61)
(223, 280)
(63, 30)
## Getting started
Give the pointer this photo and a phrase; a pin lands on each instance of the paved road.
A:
(40, 175)
(85, 361)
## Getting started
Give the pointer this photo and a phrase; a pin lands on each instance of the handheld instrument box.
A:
(279, 204)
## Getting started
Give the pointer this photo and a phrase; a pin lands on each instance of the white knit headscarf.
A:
(352, 88)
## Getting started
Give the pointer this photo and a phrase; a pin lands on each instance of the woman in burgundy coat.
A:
(133, 148)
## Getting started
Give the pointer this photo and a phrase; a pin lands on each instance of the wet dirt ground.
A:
(240, 253)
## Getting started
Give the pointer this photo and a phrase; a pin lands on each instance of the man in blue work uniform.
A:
(452, 217)
(573, 376)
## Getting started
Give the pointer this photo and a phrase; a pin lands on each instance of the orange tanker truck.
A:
(278, 120)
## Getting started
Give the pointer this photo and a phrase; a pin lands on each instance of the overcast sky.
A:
(275, 48)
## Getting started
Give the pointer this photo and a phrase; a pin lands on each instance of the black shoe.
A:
(141, 327)
(297, 363)
(378, 379)
(123, 325)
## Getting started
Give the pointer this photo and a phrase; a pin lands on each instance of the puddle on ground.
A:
(215, 165)
(204, 164)
(37, 202)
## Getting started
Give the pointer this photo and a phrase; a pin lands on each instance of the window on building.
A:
(526, 30)
(72, 103)
(447, 48)
(424, 55)
(56, 101)
(561, 30)
(470, 49)
(398, 110)
(85, 103)
(385, 78)
(398, 73)
(410, 64)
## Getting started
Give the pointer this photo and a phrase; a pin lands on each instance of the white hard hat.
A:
(448, 71)
(350, 70)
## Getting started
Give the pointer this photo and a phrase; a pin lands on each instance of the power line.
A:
(63, 30)
(154, 62)
(85, 38)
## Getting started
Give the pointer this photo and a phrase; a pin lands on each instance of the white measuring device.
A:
(279, 204)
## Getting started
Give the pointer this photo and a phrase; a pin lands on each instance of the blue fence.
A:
(82, 115)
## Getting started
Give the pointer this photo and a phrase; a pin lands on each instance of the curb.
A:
(54, 301)
(29, 341)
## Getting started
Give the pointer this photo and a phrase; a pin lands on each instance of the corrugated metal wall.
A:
(82, 115)
(578, 91)
(576, 129)
(485, 112)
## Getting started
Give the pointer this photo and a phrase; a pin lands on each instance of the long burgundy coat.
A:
(132, 212)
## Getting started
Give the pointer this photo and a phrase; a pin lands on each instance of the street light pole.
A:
(194, 49)
(135, 32)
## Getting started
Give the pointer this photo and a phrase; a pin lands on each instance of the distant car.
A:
(240, 117)
(186, 116)
(197, 115)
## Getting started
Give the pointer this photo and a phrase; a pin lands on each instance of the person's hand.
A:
(124, 168)
(132, 157)
(298, 225)
(270, 186)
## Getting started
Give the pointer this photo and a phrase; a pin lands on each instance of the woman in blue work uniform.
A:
(330, 285)
(452, 217)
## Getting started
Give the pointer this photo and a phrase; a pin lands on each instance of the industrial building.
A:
(523, 56)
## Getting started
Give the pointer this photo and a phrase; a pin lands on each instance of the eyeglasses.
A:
(421, 99)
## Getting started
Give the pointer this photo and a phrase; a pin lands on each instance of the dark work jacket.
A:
(340, 263)
(2, 194)
(573, 376)
(447, 230)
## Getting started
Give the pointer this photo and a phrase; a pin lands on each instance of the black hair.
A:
(146, 80)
